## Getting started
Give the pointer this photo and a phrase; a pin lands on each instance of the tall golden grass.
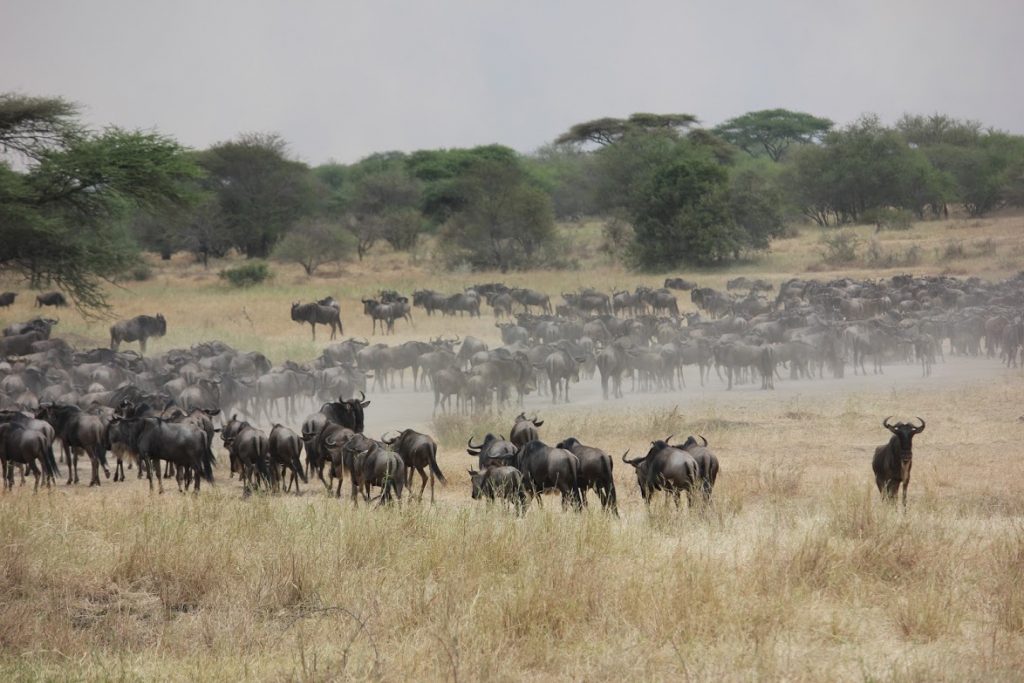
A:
(796, 572)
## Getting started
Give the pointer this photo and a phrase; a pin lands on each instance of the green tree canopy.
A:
(772, 131)
(67, 193)
(313, 242)
(608, 130)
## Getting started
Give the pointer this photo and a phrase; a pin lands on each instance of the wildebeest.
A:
(248, 448)
(284, 448)
(524, 430)
(419, 451)
(182, 444)
(370, 464)
(679, 283)
(7, 298)
(318, 314)
(595, 472)
(545, 468)
(665, 468)
(707, 464)
(24, 446)
(502, 481)
(140, 328)
(51, 299)
(78, 431)
(892, 462)
(492, 450)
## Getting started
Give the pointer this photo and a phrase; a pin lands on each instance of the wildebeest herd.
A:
(162, 413)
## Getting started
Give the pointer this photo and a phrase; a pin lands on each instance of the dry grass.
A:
(797, 571)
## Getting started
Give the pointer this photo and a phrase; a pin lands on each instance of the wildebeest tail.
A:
(207, 464)
(51, 462)
(434, 468)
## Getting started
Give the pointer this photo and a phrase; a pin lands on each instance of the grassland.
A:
(797, 572)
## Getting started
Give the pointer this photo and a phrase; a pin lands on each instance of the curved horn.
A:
(704, 440)
(634, 462)
(384, 438)
(668, 439)
(918, 430)
(885, 423)
(469, 442)
(362, 395)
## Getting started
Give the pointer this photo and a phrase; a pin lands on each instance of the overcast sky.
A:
(341, 79)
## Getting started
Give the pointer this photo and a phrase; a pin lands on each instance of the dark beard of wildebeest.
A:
(419, 451)
(78, 431)
(545, 468)
(51, 299)
(248, 449)
(24, 446)
(182, 444)
(347, 414)
(7, 298)
(285, 448)
(140, 328)
(595, 473)
(892, 462)
(665, 468)
(524, 430)
(316, 314)
(503, 481)
(493, 450)
(707, 464)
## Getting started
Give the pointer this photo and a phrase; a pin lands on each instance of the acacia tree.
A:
(608, 131)
(313, 242)
(773, 131)
(66, 194)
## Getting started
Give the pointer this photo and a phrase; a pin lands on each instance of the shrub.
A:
(247, 274)
(840, 248)
(954, 250)
(140, 272)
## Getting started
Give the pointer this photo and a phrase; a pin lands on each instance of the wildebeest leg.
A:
(313, 325)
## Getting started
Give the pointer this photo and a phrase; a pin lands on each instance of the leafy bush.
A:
(888, 218)
(840, 248)
(247, 274)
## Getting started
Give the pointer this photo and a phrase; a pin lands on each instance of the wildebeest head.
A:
(522, 418)
(904, 432)
(347, 413)
(477, 479)
(692, 441)
(161, 324)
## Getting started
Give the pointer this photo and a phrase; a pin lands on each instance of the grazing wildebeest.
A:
(7, 298)
(892, 462)
(140, 328)
(284, 448)
(665, 468)
(500, 482)
(78, 431)
(419, 451)
(525, 430)
(317, 314)
(51, 299)
(595, 473)
(545, 468)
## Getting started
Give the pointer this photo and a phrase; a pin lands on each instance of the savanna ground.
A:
(797, 571)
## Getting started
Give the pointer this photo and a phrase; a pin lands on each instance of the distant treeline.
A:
(668, 191)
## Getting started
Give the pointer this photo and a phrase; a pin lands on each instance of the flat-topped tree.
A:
(772, 131)
(608, 130)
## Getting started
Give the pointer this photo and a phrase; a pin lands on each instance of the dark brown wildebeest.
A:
(679, 283)
(78, 431)
(370, 464)
(7, 298)
(525, 430)
(317, 314)
(500, 482)
(707, 463)
(284, 448)
(51, 299)
(892, 462)
(21, 445)
(545, 468)
(181, 444)
(493, 450)
(248, 448)
(140, 328)
(665, 468)
(419, 451)
(595, 473)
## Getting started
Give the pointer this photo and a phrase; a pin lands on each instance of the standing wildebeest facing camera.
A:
(51, 299)
(318, 314)
(892, 462)
(140, 328)
(7, 298)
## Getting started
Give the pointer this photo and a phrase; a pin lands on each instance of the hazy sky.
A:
(342, 79)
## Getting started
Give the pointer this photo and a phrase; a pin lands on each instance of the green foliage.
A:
(773, 131)
(313, 242)
(260, 192)
(608, 131)
(889, 218)
(839, 248)
(505, 222)
(64, 213)
(247, 274)
(755, 202)
(570, 176)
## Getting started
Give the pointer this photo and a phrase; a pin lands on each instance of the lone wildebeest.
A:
(51, 299)
(892, 461)
(318, 314)
(140, 328)
(7, 298)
